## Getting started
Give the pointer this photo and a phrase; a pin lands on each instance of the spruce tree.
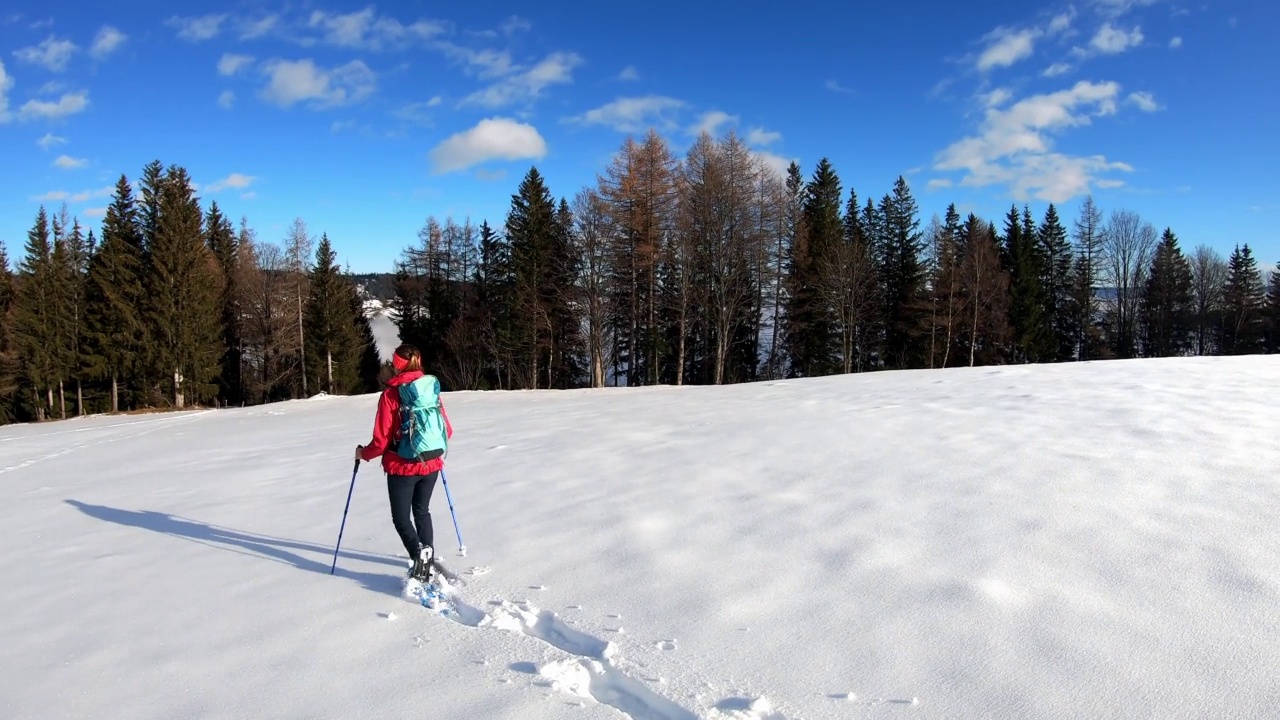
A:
(1055, 249)
(532, 229)
(1243, 327)
(1166, 308)
(332, 332)
(1027, 297)
(1084, 281)
(221, 238)
(36, 327)
(114, 321)
(811, 337)
(903, 277)
(9, 361)
(1272, 310)
(186, 284)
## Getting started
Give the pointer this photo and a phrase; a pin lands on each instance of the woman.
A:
(409, 482)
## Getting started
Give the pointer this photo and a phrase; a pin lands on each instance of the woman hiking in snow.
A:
(410, 433)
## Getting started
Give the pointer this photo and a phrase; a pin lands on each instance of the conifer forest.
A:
(706, 268)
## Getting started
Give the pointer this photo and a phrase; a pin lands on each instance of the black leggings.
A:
(412, 494)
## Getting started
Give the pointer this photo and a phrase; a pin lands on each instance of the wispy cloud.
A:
(6, 84)
(226, 99)
(107, 41)
(711, 121)
(524, 85)
(197, 29)
(292, 82)
(760, 136)
(231, 63)
(633, 114)
(82, 196)
(1117, 8)
(1014, 145)
(515, 24)
(1006, 47)
(1145, 101)
(1176, 42)
(1056, 69)
(494, 138)
(51, 54)
(366, 30)
(49, 140)
(835, 86)
(1111, 40)
(775, 163)
(68, 104)
(235, 181)
(629, 74)
(66, 162)
(253, 29)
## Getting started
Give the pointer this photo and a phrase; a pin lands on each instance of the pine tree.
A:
(9, 376)
(332, 331)
(114, 308)
(903, 275)
(811, 334)
(495, 298)
(1166, 310)
(222, 243)
(532, 229)
(36, 325)
(1243, 328)
(1055, 249)
(1272, 311)
(1027, 297)
(186, 284)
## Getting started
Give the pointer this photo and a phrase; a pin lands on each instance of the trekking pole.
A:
(462, 549)
(344, 516)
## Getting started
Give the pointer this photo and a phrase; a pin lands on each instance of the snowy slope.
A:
(1093, 540)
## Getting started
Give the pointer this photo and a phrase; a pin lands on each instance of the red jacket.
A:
(386, 427)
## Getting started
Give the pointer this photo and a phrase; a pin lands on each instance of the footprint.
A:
(665, 644)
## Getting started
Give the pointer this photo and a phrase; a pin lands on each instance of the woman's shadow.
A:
(251, 544)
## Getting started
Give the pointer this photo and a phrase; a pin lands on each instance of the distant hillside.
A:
(376, 286)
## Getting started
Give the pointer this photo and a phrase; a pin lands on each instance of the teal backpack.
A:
(422, 430)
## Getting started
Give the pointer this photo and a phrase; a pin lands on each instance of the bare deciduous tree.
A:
(1208, 278)
(1127, 246)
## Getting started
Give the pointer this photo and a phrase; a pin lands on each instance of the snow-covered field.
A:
(1094, 540)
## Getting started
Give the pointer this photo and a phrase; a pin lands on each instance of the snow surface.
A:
(1088, 540)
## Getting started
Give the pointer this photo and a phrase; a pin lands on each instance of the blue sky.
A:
(365, 119)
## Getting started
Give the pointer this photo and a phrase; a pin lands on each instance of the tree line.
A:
(170, 307)
(711, 268)
(708, 268)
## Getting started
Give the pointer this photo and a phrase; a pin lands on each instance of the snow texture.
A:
(1085, 540)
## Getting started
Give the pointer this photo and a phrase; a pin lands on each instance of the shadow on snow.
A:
(264, 547)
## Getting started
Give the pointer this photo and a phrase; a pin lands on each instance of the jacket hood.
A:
(404, 378)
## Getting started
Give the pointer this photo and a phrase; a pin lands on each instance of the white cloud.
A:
(515, 24)
(231, 63)
(1116, 8)
(1056, 69)
(68, 104)
(711, 121)
(774, 162)
(760, 136)
(1062, 22)
(82, 196)
(997, 97)
(301, 80)
(366, 30)
(50, 53)
(629, 73)
(937, 184)
(195, 29)
(66, 162)
(1014, 147)
(1176, 42)
(492, 139)
(1007, 47)
(435, 101)
(633, 114)
(525, 85)
(226, 99)
(49, 140)
(1111, 40)
(252, 29)
(107, 41)
(238, 181)
(249, 195)
(6, 84)
(95, 212)
(1145, 101)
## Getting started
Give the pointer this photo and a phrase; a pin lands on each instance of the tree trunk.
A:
(79, 398)
(329, 362)
(302, 348)
(62, 400)
(115, 393)
(177, 388)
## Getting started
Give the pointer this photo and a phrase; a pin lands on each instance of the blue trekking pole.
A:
(462, 549)
(344, 516)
